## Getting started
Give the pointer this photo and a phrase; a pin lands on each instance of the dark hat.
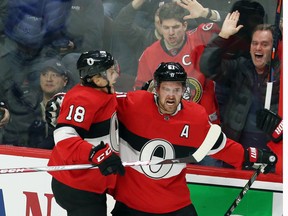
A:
(69, 61)
(55, 64)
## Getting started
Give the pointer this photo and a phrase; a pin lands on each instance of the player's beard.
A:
(168, 106)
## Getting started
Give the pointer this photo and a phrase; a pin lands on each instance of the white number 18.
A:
(78, 113)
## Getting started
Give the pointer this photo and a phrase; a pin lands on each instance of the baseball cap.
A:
(55, 64)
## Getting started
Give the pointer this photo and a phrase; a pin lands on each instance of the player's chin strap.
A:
(106, 86)
(89, 82)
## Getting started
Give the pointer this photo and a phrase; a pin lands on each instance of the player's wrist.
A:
(224, 35)
(100, 153)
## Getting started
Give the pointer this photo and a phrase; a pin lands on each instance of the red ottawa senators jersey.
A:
(145, 134)
(87, 116)
(201, 89)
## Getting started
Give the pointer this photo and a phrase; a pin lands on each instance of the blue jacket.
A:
(34, 23)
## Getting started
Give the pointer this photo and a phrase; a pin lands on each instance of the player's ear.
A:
(185, 25)
(65, 81)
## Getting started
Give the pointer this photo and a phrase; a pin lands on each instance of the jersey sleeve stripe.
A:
(63, 133)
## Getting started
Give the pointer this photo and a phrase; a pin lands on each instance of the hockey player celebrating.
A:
(167, 127)
(87, 119)
(162, 125)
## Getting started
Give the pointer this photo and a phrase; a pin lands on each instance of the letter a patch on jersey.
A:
(185, 131)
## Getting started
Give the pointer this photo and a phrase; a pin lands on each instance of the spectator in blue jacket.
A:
(35, 23)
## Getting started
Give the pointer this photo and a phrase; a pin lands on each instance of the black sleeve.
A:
(125, 26)
(212, 63)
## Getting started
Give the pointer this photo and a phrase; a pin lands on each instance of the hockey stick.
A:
(243, 191)
(273, 54)
(209, 141)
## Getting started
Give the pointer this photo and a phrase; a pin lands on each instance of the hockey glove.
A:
(53, 108)
(107, 161)
(257, 157)
(270, 123)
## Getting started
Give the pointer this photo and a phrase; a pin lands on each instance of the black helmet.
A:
(170, 71)
(94, 62)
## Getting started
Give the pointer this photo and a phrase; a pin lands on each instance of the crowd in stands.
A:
(41, 41)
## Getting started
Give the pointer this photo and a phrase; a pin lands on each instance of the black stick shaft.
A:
(243, 192)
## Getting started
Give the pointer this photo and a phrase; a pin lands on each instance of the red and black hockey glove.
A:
(52, 109)
(107, 161)
(270, 123)
(257, 157)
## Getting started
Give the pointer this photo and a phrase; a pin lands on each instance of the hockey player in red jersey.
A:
(86, 133)
(162, 125)
(185, 47)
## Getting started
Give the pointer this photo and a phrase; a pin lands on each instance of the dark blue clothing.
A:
(33, 23)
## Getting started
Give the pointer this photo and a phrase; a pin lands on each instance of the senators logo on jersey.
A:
(193, 90)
